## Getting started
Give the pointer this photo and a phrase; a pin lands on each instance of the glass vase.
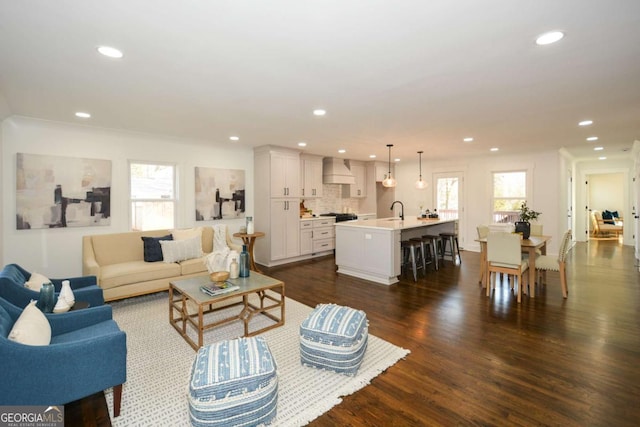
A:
(47, 298)
(244, 262)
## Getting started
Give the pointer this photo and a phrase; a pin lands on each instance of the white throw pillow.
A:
(180, 250)
(32, 327)
(36, 281)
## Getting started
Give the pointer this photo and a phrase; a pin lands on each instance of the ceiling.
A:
(421, 75)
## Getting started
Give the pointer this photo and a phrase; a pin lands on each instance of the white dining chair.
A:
(504, 255)
(548, 263)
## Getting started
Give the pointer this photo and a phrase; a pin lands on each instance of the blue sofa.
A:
(13, 277)
(87, 354)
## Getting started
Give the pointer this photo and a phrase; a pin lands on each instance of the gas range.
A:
(342, 216)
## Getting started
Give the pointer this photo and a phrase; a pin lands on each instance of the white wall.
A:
(545, 190)
(57, 252)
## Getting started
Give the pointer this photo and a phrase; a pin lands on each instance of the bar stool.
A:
(428, 256)
(436, 247)
(410, 254)
(454, 248)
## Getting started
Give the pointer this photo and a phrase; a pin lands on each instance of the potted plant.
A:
(525, 216)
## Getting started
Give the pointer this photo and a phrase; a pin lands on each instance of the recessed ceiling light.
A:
(494, 149)
(234, 138)
(111, 52)
(396, 159)
(592, 138)
(550, 37)
(602, 158)
(302, 144)
(468, 139)
(83, 115)
(598, 148)
(319, 112)
(585, 123)
(372, 156)
(342, 151)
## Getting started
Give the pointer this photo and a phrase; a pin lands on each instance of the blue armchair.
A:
(13, 277)
(87, 354)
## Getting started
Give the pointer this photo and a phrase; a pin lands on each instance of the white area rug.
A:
(159, 362)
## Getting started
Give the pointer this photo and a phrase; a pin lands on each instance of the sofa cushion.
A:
(32, 327)
(121, 247)
(126, 273)
(36, 281)
(179, 250)
(152, 248)
(186, 233)
(192, 266)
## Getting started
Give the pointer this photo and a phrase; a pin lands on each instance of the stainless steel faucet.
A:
(401, 208)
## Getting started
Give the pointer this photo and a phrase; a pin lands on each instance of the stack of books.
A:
(218, 288)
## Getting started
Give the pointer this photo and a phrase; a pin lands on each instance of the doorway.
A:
(604, 192)
(448, 196)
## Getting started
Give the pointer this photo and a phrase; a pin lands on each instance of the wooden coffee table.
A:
(190, 307)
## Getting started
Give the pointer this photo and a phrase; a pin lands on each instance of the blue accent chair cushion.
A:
(334, 338)
(87, 354)
(233, 382)
(12, 288)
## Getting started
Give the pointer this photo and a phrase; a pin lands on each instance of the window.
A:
(509, 191)
(153, 195)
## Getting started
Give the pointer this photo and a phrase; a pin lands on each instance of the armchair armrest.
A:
(70, 321)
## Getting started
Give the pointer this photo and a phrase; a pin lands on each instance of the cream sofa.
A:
(117, 260)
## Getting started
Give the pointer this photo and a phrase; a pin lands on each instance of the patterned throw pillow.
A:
(152, 248)
(180, 250)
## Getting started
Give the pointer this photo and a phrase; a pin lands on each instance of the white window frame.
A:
(173, 200)
(513, 216)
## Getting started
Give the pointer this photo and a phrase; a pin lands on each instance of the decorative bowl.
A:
(219, 276)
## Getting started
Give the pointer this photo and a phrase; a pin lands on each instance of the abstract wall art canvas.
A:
(219, 194)
(56, 191)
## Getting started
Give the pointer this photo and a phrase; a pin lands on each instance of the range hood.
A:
(335, 171)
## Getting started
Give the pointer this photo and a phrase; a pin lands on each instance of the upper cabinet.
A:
(311, 176)
(285, 174)
(359, 172)
(382, 170)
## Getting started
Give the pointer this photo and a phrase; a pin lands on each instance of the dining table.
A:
(529, 246)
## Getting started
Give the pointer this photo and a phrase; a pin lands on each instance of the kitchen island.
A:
(370, 249)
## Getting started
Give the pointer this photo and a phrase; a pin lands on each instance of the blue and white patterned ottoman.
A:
(334, 338)
(233, 382)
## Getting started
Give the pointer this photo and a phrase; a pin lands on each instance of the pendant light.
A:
(420, 184)
(389, 181)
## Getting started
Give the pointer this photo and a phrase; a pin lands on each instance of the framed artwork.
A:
(219, 194)
(56, 191)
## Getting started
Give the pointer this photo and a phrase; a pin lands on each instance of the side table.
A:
(250, 240)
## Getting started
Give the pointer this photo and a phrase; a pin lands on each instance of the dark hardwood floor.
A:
(484, 361)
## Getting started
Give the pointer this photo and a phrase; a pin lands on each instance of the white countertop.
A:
(393, 223)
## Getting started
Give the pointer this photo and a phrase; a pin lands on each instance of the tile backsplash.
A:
(331, 201)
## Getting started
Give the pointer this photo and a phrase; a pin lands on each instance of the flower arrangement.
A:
(526, 214)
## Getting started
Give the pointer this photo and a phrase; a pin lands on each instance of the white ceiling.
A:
(414, 73)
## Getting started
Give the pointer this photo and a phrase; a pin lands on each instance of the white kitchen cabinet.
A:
(285, 174)
(359, 189)
(285, 232)
(306, 237)
(277, 204)
(324, 235)
(311, 176)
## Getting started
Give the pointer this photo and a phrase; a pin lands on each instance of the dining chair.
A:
(548, 263)
(504, 256)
